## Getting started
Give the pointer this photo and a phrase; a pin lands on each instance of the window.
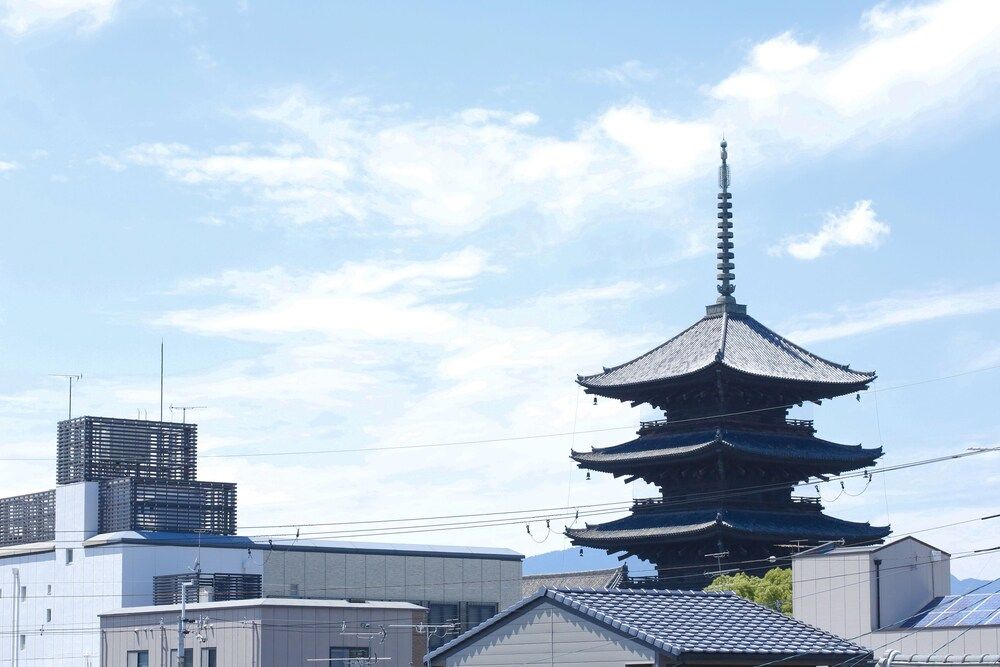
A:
(48, 615)
(441, 614)
(293, 590)
(477, 613)
(48, 591)
(138, 658)
(351, 657)
(22, 642)
(188, 657)
(69, 556)
(24, 592)
(208, 657)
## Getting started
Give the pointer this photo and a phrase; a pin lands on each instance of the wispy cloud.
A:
(8, 166)
(379, 166)
(894, 312)
(628, 72)
(19, 17)
(858, 227)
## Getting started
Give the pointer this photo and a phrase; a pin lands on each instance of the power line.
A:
(535, 436)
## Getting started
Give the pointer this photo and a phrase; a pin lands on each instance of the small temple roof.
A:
(733, 340)
(762, 524)
(664, 447)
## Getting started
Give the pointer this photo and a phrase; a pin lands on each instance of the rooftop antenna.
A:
(71, 377)
(184, 409)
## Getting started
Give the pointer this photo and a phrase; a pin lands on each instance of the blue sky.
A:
(375, 224)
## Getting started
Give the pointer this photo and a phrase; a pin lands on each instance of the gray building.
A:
(267, 632)
(895, 598)
(642, 628)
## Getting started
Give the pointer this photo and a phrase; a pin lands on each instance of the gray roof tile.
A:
(688, 623)
(737, 341)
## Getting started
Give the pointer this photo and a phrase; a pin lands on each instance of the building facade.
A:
(75, 553)
(726, 457)
(267, 632)
(896, 598)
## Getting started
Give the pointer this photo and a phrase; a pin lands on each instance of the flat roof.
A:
(326, 546)
(14, 550)
(870, 548)
(267, 602)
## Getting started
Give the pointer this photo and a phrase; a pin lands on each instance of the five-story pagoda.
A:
(726, 457)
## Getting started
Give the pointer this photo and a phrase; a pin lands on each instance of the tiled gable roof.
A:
(608, 578)
(686, 623)
(736, 341)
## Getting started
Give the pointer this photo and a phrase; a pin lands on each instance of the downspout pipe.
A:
(878, 596)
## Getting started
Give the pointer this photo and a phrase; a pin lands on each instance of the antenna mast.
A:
(161, 379)
(184, 409)
(71, 377)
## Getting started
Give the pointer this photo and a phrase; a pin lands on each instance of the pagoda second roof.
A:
(669, 526)
(733, 340)
(663, 447)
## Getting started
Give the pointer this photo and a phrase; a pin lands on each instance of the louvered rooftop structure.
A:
(726, 457)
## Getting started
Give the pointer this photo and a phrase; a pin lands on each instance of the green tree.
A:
(773, 590)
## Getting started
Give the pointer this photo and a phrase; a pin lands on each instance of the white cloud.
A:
(8, 166)
(398, 352)
(361, 163)
(858, 227)
(624, 74)
(915, 64)
(20, 17)
(894, 312)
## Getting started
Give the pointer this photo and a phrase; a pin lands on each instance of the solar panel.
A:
(976, 618)
(958, 611)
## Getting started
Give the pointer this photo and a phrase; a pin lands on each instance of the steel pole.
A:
(181, 662)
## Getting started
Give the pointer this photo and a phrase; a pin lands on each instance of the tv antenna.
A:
(184, 409)
(71, 377)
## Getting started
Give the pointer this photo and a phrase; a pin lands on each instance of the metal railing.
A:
(811, 502)
(797, 424)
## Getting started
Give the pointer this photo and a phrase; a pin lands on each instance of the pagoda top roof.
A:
(730, 338)
(681, 525)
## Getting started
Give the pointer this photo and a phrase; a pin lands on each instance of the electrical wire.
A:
(536, 436)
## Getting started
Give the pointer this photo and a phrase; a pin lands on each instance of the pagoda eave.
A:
(668, 449)
(753, 526)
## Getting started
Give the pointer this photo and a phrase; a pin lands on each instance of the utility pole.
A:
(181, 662)
(71, 377)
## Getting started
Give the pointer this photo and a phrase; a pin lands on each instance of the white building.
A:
(895, 598)
(61, 567)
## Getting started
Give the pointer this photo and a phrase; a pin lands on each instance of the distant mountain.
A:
(570, 560)
(959, 586)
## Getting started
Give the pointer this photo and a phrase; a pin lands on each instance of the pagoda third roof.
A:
(648, 525)
(736, 341)
(804, 448)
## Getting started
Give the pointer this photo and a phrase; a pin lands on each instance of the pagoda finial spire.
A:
(725, 245)
(725, 303)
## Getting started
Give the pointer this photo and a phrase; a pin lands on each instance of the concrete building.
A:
(267, 631)
(642, 628)
(896, 598)
(94, 545)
